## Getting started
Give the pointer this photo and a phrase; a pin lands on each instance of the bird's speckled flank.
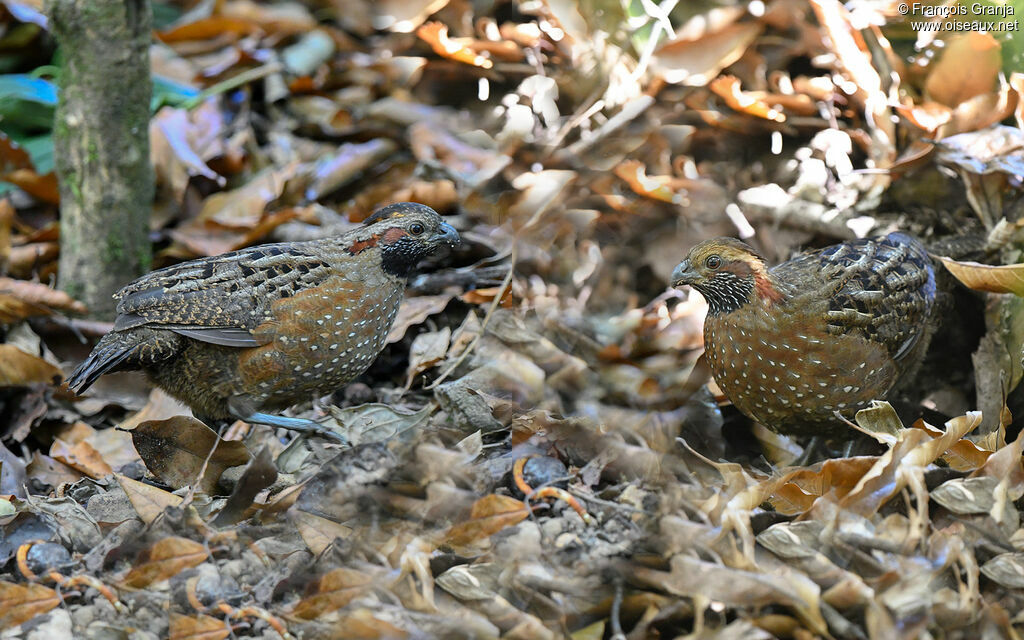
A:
(272, 325)
(827, 331)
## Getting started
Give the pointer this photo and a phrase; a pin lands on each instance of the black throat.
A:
(400, 257)
(726, 292)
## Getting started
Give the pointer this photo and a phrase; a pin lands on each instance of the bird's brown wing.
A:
(223, 298)
(883, 288)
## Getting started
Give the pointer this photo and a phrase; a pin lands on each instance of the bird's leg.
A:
(810, 452)
(239, 408)
(301, 425)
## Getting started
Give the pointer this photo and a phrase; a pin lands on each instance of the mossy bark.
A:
(101, 144)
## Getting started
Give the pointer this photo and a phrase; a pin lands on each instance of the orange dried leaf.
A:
(209, 28)
(489, 515)
(21, 602)
(149, 501)
(800, 488)
(37, 296)
(656, 187)
(333, 591)
(165, 559)
(198, 627)
(969, 66)
(18, 368)
(964, 455)
(728, 88)
(436, 35)
(695, 62)
(82, 457)
(982, 277)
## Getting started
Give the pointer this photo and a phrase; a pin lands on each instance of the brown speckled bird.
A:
(829, 330)
(268, 326)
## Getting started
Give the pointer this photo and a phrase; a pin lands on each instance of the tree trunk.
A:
(101, 145)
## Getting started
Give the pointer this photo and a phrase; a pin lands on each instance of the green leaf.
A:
(170, 92)
(26, 103)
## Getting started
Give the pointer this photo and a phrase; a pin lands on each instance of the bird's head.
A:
(405, 233)
(727, 272)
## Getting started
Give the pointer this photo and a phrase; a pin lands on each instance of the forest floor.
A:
(538, 452)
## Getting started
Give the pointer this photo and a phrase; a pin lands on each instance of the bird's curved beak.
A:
(447, 234)
(684, 273)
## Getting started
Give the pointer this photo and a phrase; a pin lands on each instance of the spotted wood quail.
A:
(268, 326)
(829, 330)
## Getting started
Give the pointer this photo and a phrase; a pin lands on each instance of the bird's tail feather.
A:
(106, 357)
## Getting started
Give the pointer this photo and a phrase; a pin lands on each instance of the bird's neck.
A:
(730, 292)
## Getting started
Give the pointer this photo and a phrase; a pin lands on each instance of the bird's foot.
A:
(302, 425)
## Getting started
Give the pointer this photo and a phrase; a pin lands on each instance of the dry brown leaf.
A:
(20, 603)
(427, 350)
(243, 207)
(436, 35)
(20, 299)
(332, 591)
(728, 88)
(472, 165)
(16, 167)
(281, 19)
(403, 16)
(163, 560)
(18, 368)
(149, 501)
(259, 474)
(198, 627)
(983, 277)
(160, 406)
(800, 488)
(694, 577)
(80, 456)
(969, 66)
(983, 111)
(964, 455)
(175, 450)
(47, 470)
(414, 311)
(363, 624)
(208, 29)
(695, 62)
(489, 515)
(317, 532)
(662, 188)
(27, 260)
(339, 169)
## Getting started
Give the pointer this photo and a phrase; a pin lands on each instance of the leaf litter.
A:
(536, 453)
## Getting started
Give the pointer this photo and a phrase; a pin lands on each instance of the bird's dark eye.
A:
(416, 229)
(712, 262)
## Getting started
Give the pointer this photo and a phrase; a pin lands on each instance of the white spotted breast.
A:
(320, 338)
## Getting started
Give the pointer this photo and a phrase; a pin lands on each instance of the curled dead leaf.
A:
(333, 591)
(489, 515)
(163, 560)
(20, 603)
(983, 277)
(176, 449)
